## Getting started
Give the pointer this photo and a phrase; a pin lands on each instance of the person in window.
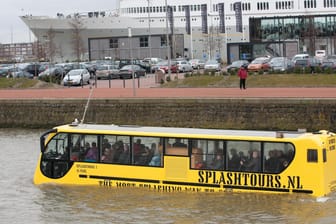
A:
(178, 143)
(234, 161)
(218, 163)
(92, 154)
(272, 164)
(156, 159)
(140, 152)
(107, 155)
(137, 147)
(124, 157)
(254, 164)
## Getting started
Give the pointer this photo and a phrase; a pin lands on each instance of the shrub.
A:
(52, 79)
(307, 70)
(297, 70)
(168, 78)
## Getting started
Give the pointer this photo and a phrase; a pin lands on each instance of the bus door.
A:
(55, 160)
(176, 159)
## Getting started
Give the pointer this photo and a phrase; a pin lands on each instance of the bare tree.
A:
(50, 44)
(77, 42)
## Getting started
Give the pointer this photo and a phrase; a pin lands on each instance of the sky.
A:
(13, 30)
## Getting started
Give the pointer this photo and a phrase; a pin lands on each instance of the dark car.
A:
(307, 63)
(281, 64)
(123, 62)
(236, 65)
(54, 71)
(32, 68)
(329, 64)
(127, 71)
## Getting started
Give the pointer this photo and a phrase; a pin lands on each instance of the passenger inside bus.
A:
(92, 154)
(140, 152)
(156, 159)
(234, 161)
(107, 155)
(124, 157)
(218, 163)
(253, 164)
(179, 143)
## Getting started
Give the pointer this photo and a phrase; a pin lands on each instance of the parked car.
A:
(183, 66)
(123, 62)
(4, 71)
(259, 64)
(107, 72)
(32, 68)
(329, 64)
(212, 65)
(91, 67)
(299, 56)
(236, 65)
(16, 72)
(22, 74)
(281, 64)
(164, 66)
(54, 71)
(197, 63)
(76, 77)
(127, 71)
(307, 63)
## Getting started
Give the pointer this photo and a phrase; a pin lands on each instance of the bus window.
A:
(249, 154)
(57, 148)
(207, 154)
(277, 156)
(176, 146)
(115, 149)
(144, 149)
(178, 142)
(89, 148)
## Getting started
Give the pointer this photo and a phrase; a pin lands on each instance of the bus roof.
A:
(172, 131)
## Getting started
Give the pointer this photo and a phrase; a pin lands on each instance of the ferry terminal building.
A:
(229, 30)
(274, 35)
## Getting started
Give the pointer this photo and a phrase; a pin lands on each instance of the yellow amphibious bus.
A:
(189, 159)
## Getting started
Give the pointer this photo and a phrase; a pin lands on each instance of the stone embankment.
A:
(228, 113)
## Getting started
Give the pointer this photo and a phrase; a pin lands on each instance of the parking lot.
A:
(148, 81)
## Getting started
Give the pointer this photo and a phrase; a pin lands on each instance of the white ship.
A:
(221, 29)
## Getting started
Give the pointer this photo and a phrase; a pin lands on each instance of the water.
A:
(23, 202)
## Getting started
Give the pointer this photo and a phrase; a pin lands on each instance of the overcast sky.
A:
(12, 29)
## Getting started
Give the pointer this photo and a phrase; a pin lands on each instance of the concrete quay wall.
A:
(253, 114)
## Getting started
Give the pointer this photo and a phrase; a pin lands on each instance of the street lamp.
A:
(167, 39)
(149, 32)
(131, 56)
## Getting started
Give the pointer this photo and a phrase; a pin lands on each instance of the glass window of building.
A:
(144, 41)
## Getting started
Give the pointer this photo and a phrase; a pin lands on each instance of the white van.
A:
(299, 56)
(320, 53)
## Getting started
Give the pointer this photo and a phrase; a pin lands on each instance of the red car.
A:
(259, 64)
(173, 67)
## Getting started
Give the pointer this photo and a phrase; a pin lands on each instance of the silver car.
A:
(212, 65)
(107, 72)
(76, 77)
(183, 66)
